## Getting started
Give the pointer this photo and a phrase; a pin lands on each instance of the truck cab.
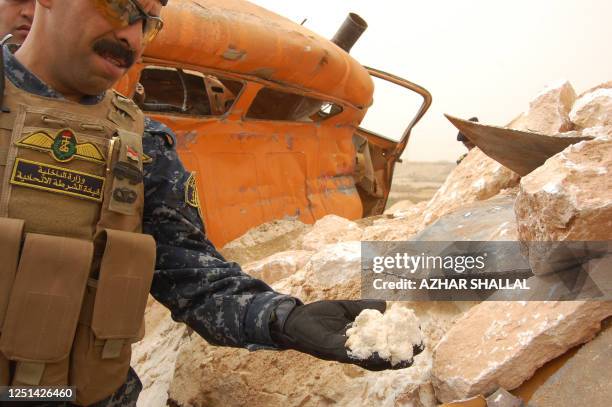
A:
(267, 116)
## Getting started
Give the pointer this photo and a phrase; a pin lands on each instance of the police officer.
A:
(82, 175)
(16, 18)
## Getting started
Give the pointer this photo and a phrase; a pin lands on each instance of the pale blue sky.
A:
(486, 58)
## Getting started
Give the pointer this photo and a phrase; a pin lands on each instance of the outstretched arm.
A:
(211, 295)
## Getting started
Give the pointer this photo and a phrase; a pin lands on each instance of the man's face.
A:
(92, 53)
(16, 18)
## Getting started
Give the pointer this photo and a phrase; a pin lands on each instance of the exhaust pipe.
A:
(349, 32)
(346, 36)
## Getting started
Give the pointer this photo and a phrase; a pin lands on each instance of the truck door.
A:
(378, 151)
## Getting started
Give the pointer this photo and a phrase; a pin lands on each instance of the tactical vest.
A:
(75, 271)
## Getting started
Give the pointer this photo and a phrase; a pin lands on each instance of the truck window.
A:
(185, 92)
(394, 107)
(272, 104)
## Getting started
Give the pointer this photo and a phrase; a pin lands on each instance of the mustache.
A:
(115, 50)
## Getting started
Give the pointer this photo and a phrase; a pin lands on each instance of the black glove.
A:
(319, 329)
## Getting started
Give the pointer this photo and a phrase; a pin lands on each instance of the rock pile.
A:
(470, 348)
(567, 198)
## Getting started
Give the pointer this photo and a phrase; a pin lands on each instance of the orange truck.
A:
(267, 115)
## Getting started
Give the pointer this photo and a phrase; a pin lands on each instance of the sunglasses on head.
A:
(123, 13)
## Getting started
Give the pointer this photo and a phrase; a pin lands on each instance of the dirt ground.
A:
(418, 181)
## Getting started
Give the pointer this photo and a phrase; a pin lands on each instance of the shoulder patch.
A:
(191, 191)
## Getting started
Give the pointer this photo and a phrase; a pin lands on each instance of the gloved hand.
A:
(319, 329)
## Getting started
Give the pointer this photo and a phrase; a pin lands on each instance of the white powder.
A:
(392, 335)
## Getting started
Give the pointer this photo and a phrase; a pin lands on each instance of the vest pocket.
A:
(11, 233)
(112, 316)
(44, 307)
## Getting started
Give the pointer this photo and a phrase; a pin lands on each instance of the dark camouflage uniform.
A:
(211, 295)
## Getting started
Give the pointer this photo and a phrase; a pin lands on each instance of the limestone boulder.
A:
(501, 398)
(278, 266)
(548, 111)
(333, 272)
(488, 220)
(334, 264)
(265, 240)
(330, 229)
(570, 196)
(401, 225)
(584, 380)
(291, 379)
(593, 109)
(501, 344)
(154, 358)
(477, 178)
(399, 207)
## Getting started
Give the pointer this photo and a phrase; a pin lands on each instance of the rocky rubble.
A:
(279, 265)
(400, 225)
(230, 377)
(265, 378)
(330, 229)
(471, 348)
(265, 240)
(593, 109)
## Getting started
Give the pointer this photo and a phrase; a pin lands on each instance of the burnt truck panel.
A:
(266, 114)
